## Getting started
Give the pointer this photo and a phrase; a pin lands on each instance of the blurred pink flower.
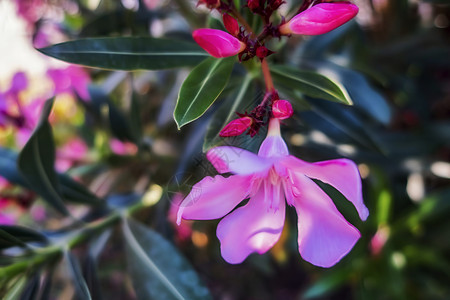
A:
(71, 153)
(69, 80)
(122, 148)
(379, 240)
(30, 10)
(152, 4)
(320, 18)
(184, 230)
(218, 43)
(324, 236)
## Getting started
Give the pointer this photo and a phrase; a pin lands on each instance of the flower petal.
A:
(236, 160)
(324, 236)
(254, 227)
(212, 198)
(342, 174)
(218, 43)
(273, 145)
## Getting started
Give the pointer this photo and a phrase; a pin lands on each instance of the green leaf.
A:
(310, 83)
(156, 268)
(8, 167)
(81, 288)
(128, 53)
(16, 289)
(18, 236)
(31, 290)
(36, 162)
(327, 283)
(73, 191)
(240, 102)
(201, 88)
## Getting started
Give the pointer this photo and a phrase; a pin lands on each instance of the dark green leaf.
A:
(128, 53)
(73, 191)
(120, 125)
(16, 289)
(92, 280)
(36, 162)
(311, 84)
(327, 283)
(240, 102)
(157, 270)
(46, 286)
(201, 88)
(8, 167)
(135, 119)
(81, 288)
(31, 289)
(18, 236)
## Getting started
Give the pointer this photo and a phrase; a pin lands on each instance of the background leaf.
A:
(157, 270)
(36, 162)
(309, 83)
(18, 236)
(81, 288)
(128, 53)
(201, 88)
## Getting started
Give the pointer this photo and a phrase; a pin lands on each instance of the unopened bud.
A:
(263, 52)
(218, 43)
(253, 4)
(282, 109)
(231, 24)
(211, 4)
(236, 127)
(320, 19)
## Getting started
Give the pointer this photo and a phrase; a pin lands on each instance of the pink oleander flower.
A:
(324, 236)
(218, 43)
(69, 80)
(320, 19)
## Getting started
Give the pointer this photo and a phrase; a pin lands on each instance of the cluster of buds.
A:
(313, 18)
(280, 109)
(264, 8)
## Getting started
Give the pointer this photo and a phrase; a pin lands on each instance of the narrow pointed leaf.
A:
(18, 236)
(128, 53)
(201, 88)
(75, 192)
(310, 83)
(81, 288)
(156, 268)
(9, 169)
(36, 162)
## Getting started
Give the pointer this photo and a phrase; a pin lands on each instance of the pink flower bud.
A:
(320, 19)
(231, 24)
(262, 52)
(253, 4)
(282, 109)
(218, 43)
(236, 127)
(211, 4)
